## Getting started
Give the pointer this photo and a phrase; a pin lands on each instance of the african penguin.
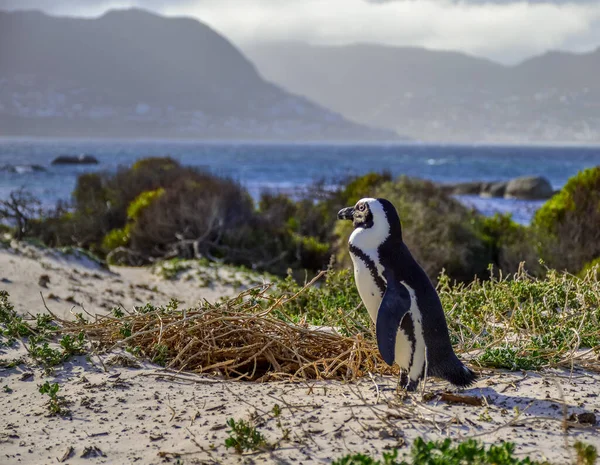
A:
(401, 300)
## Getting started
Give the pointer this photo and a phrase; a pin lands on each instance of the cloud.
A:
(506, 30)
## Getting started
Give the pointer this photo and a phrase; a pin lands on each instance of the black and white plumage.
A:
(401, 300)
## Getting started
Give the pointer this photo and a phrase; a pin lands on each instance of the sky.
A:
(507, 31)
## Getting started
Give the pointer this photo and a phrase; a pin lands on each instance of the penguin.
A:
(409, 320)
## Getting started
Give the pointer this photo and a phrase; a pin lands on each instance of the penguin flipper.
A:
(394, 306)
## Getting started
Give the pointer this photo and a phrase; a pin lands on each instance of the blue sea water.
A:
(290, 166)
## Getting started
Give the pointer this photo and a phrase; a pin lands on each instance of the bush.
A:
(19, 210)
(469, 452)
(440, 232)
(510, 244)
(361, 187)
(567, 225)
(143, 201)
(115, 239)
(159, 209)
(207, 212)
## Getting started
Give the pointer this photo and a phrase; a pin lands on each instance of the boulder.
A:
(529, 188)
(22, 168)
(82, 159)
(493, 189)
(462, 188)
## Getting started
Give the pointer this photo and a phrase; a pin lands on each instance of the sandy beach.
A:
(73, 282)
(124, 410)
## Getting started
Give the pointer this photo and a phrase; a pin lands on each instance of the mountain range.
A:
(131, 73)
(444, 96)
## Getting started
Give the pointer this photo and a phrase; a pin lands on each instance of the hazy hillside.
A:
(133, 73)
(444, 96)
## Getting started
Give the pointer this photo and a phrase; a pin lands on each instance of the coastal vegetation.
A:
(516, 322)
(158, 209)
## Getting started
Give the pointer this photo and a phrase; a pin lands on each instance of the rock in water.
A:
(493, 189)
(83, 159)
(462, 188)
(21, 169)
(529, 188)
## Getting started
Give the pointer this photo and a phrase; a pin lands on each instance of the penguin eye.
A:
(361, 207)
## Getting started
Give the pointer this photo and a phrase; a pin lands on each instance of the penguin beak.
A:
(346, 213)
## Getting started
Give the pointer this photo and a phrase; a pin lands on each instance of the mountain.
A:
(444, 96)
(131, 73)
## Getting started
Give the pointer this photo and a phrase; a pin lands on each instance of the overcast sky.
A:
(504, 30)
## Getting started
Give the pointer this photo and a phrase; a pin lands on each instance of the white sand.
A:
(76, 281)
(131, 415)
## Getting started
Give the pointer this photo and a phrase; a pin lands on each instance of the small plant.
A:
(507, 357)
(171, 269)
(15, 362)
(12, 326)
(161, 354)
(44, 324)
(6, 388)
(276, 410)
(389, 458)
(56, 402)
(73, 345)
(44, 354)
(586, 453)
(469, 452)
(485, 416)
(243, 436)
(79, 318)
(117, 312)
(125, 330)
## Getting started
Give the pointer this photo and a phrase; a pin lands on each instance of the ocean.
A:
(287, 167)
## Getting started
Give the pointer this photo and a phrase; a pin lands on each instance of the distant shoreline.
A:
(276, 142)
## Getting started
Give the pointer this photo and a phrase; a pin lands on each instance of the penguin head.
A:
(374, 221)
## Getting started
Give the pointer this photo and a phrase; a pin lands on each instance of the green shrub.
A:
(510, 243)
(12, 326)
(158, 208)
(155, 164)
(361, 187)
(211, 211)
(116, 238)
(143, 201)
(586, 453)
(567, 224)
(120, 237)
(469, 452)
(243, 436)
(440, 232)
(545, 320)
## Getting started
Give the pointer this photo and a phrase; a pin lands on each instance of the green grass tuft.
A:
(243, 436)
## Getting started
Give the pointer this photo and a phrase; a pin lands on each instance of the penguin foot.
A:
(403, 379)
(401, 385)
(412, 385)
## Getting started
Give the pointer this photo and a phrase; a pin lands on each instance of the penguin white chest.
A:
(369, 292)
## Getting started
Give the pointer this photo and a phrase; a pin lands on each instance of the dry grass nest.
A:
(237, 338)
